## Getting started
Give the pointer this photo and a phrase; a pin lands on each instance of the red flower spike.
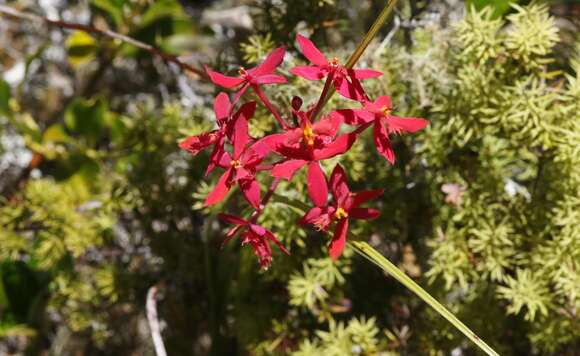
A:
(261, 74)
(256, 236)
(345, 80)
(345, 206)
(240, 168)
(385, 124)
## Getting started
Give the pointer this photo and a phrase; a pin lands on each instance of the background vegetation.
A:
(98, 203)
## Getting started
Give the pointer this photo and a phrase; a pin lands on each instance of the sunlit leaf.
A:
(81, 48)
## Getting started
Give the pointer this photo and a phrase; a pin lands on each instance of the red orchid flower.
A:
(240, 168)
(255, 235)
(222, 107)
(339, 74)
(345, 206)
(307, 145)
(260, 74)
(196, 143)
(385, 124)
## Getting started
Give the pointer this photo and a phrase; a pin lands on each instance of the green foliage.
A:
(358, 337)
(497, 131)
(310, 287)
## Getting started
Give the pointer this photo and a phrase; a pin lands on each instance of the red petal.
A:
(293, 136)
(221, 106)
(241, 137)
(273, 238)
(287, 169)
(365, 73)
(270, 79)
(194, 144)
(338, 240)
(348, 89)
(310, 51)
(223, 80)
(353, 116)
(311, 216)
(231, 219)
(247, 110)
(317, 185)
(364, 213)
(240, 92)
(383, 101)
(242, 174)
(338, 183)
(272, 61)
(407, 124)
(383, 143)
(251, 190)
(251, 158)
(339, 146)
(294, 152)
(218, 157)
(327, 126)
(221, 189)
(308, 72)
(261, 148)
(258, 230)
(223, 160)
(362, 197)
(272, 141)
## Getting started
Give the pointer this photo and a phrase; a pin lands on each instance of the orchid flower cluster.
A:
(304, 141)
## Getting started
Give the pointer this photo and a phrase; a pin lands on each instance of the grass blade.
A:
(367, 251)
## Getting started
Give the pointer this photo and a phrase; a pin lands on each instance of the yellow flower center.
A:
(236, 164)
(242, 72)
(386, 110)
(308, 135)
(334, 62)
(340, 214)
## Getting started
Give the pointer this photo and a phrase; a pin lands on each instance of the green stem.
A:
(372, 32)
(367, 251)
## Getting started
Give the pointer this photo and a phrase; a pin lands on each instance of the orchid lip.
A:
(386, 110)
(309, 135)
(243, 72)
(340, 214)
(334, 62)
(236, 164)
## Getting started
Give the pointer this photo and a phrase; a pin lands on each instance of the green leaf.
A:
(86, 117)
(180, 43)
(81, 48)
(4, 98)
(159, 10)
(21, 286)
(4, 303)
(368, 252)
(500, 7)
(117, 126)
(55, 133)
(27, 127)
(112, 7)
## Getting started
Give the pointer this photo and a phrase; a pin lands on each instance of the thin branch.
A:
(7, 10)
(154, 322)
